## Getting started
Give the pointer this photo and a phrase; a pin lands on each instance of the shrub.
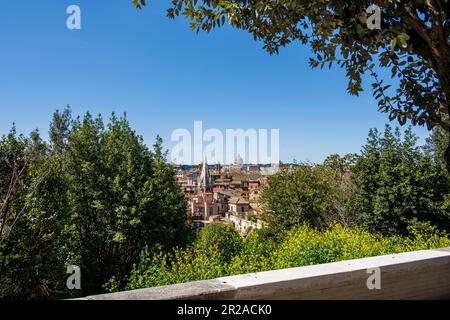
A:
(221, 237)
(301, 246)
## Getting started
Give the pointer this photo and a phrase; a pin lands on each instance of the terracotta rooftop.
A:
(238, 200)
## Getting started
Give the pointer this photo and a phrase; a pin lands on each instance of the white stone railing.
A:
(411, 275)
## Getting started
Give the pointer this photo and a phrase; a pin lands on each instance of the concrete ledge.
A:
(411, 275)
(200, 290)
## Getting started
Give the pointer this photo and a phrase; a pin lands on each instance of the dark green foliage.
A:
(437, 144)
(408, 58)
(106, 170)
(123, 198)
(392, 187)
(164, 197)
(59, 132)
(33, 214)
(315, 195)
(412, 43)
(399, 185)
(96, 197)
(220, 237)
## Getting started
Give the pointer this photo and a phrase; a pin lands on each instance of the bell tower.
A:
(205, 178)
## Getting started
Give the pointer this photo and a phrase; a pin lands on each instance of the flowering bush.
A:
(300, 246)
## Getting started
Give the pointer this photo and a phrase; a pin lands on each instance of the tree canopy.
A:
(399, 185)
(392, 187)
(95, 196)
(412, 43)
(304, 194)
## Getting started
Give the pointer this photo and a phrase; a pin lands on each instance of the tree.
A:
(164, 198)
(122, 198)
(14, 163)
(399, 185)
(437, 144)
(413, 43)
(306, 194)
(94, 197)
(60, 130)
(342, 174)
(32, 219)
(221, 238)
(106, 169)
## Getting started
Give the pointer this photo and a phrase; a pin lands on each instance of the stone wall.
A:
(412, 275)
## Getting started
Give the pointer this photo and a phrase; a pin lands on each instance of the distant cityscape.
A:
(226, 194)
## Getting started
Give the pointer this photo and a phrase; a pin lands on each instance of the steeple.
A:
(205, 178)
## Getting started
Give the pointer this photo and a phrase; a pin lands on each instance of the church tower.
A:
(205, 178)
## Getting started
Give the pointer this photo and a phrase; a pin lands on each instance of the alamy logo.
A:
(74, 20)
(374, 281)
(74, 281)
(374, 20)
(254, 146)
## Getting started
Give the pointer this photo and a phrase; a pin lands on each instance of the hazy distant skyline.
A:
(165, 77)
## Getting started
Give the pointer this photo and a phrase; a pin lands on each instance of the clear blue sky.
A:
(165, 77)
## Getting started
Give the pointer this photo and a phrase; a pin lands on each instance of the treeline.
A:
(392, 187)
(93, 196)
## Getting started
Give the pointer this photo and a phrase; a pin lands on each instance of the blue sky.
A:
(165, 77)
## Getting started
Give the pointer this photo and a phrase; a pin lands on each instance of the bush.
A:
(179, 266)
(305, 194)
(221, 237)
(302, 246)
(306, 246)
